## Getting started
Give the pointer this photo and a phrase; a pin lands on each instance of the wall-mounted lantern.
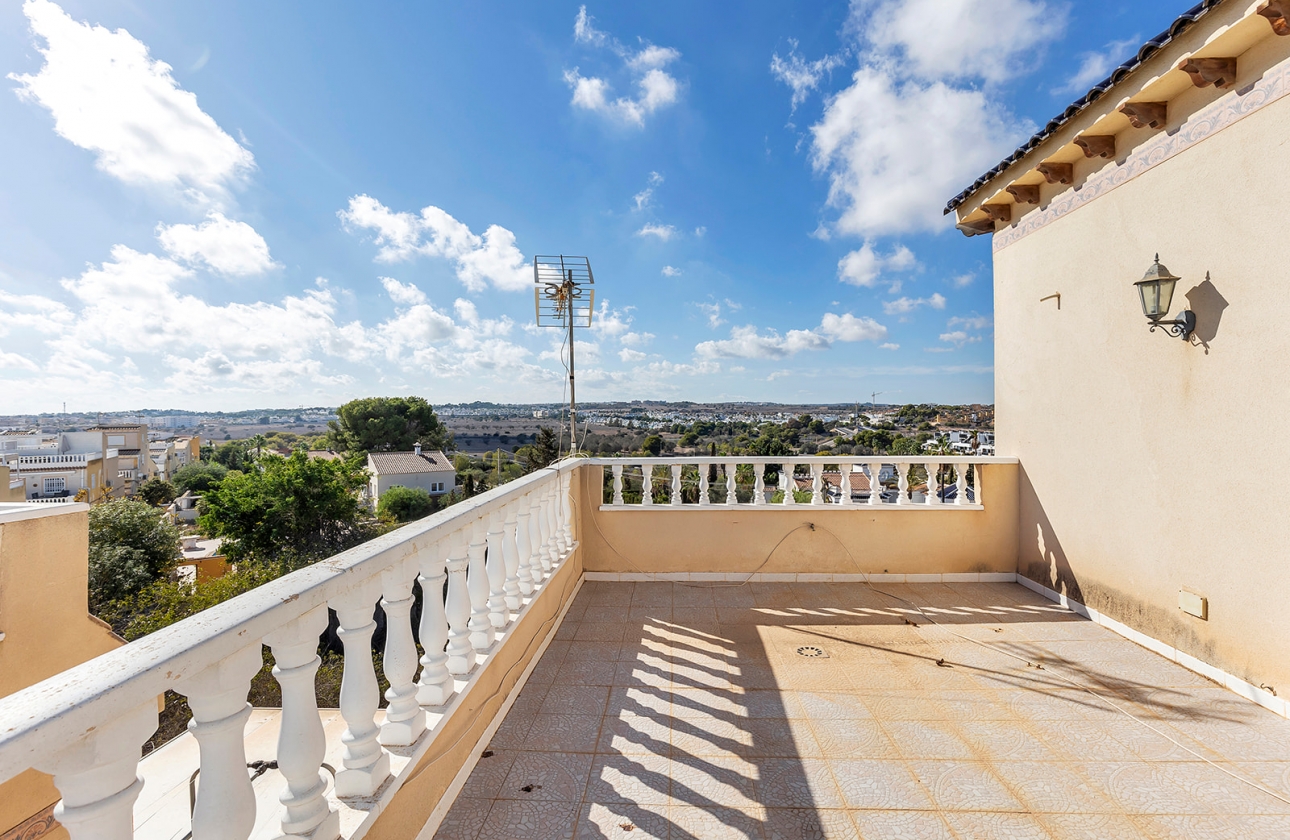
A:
(1156, 288)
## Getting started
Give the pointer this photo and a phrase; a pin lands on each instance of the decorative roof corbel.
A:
(1146, 114)
(1219, 72)
(1276, 11)
(1057, 173)
(1097, 145)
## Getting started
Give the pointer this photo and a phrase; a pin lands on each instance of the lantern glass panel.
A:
(1156, 297)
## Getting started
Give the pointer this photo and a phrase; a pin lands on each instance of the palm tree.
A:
(258, 441)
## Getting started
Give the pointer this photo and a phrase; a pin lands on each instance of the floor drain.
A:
(812, 652)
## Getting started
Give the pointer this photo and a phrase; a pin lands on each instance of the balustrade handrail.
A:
(921, 458)
(55, 714)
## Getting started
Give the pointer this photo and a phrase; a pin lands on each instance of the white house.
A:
(430, 471)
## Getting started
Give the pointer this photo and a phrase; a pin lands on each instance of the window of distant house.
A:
(116, 440)
(55, 485)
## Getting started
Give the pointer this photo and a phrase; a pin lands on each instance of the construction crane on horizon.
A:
(874, 396)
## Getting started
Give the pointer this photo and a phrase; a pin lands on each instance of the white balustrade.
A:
(87, 725)
(511, 558)
(435, 687)
(404, 718)
(301, 741)
(225, 806)
(97, 776)
(524, 546)
(498, 613)
(821, 481)
(366, 765)
(461, 656)
(479, 625)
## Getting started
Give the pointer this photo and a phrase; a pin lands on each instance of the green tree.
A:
(544, 449)
(199, 476)
(289, 511)
(155, 492)
(405, 504)
(258, 442)
(904, 446)
(653, 444)
(234, 455)
(130, 546)
(387, 424)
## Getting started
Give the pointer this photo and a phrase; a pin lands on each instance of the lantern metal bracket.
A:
(1181, 326)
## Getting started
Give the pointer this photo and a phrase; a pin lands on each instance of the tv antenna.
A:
(563, 296)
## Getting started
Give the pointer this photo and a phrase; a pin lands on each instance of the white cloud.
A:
(713, 313)
(700, 230)
(889, 346)
(747, 343)
(655, 87)
(888, 172)
(629, 355)
(224, 245)
(109, 96)
(479, 260)
(973, 322)
(642, 198)
(800, 75)
(905, 305)
(1096, 66)
(611, 323)
(848, 327)
(33, 312)
(669, 271)
(663, 232)
(992, 40)
(960, 281)
(863, 266)
(636, 339)
(959, 337)
(403, 294)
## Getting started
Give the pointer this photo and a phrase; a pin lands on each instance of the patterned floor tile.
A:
(853, 739)
(970, 825)
(1050, 787)
(623, 821)
(1209, 827)
(627, 734)
(964, 786)
(901, 825)
(932, 739)
(714, 781)
(464, 819)
(563, 733)
(536, 820)
(1090, 827)
(809, 824)
(547, 775)
(490, 771)
(790, 783)
(701, 823)
(568, 699)
(638, 779)
(880, 785)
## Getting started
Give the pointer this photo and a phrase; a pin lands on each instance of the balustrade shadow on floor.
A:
(838, 710)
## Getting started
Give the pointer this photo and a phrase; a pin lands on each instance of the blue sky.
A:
(223, 206)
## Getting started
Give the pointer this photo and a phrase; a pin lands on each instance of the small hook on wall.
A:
(1057, 295)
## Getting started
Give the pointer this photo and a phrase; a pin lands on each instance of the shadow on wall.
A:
(1208, 305)
(1040, 555)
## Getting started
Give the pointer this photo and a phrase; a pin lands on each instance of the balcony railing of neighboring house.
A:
(498, 554)
(901, 482)
(52, 500)
(127, 474)
(49, 460)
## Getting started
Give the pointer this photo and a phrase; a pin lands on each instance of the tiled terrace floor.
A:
(683, 711)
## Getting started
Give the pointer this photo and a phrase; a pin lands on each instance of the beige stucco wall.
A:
(47, 627)
(843, 541)
(1149, 465)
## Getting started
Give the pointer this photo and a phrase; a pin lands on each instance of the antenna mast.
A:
(564, 297)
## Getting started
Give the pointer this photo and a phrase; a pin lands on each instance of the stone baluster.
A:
(364, 764)
(566, 511)
(647, 484)
(732, 490)
(225, 806)
(546, 534)
(523, 546)
(301, 741)
(759, 484)
(875, 482)
(844, 483)
(477, 586)
(788, 484)
(934, 483)
(498, 614)
(98, 776)
(902, 484)
(978, 488)
(435, 686)
(817, 484)
(960, 493)
(511, 559)
(703, 485)
(676, 484)
(404, 718)
(461, 656)
(536, 554)
(555, 543)
(618, 483)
